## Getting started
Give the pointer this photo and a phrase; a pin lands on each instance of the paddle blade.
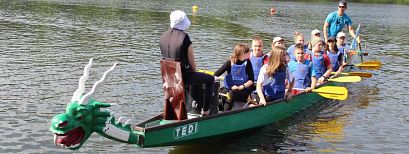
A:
(378, 63)
(346, 79)
(360, 74)
(369, 66)
(333, 92)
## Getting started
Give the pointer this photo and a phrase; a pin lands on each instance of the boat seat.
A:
(173, 89)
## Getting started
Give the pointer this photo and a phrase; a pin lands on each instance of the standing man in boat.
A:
(336, 20)
(175, 44)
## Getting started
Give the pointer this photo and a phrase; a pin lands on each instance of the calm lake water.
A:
(44, 46)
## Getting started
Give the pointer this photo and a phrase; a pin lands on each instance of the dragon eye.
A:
(63, 124)
(80, 118)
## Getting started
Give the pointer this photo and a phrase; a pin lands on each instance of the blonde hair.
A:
(297, 34)
(257, 38)
(276, 61)
(239, 49)
(314, 42)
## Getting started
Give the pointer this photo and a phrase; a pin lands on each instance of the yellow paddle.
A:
(370, 65)
(206, 71)
(211, 73)
(346, 79)
(372, 62)
(332, 92)
(360, 74)
(225, 95)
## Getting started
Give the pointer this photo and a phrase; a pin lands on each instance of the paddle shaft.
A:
(369, 67)
(361, 74)
(324, 92)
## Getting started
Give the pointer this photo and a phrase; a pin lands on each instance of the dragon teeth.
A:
(55, 139)
(74, 146)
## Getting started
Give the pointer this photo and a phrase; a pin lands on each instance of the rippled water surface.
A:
(44, 46)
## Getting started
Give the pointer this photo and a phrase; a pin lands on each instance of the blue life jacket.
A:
(302, 75)
(344, 50)
(276, 89)
(341, 49)
(319, 65)
(290, 52)
(333, 57)
(256, 63)
(237, 76)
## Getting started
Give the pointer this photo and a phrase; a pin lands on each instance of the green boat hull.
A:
(157, 132)
(85, 116)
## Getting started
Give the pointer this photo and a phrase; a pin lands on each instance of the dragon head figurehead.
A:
(72, 128)
(82, 116)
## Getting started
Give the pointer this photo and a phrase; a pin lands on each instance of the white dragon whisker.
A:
(84, 100)
(81, 85)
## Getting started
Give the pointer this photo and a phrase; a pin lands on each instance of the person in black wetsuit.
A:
(175, 44)
(239, 79)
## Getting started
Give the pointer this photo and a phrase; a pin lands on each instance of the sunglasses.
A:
(342, 7)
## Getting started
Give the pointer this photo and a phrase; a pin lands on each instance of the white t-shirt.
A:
(265, 79)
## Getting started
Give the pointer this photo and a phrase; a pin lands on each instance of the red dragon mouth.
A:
(70, 139)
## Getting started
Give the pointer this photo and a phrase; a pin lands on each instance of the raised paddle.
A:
(332, 92)
(360, 74)
(346, 79)
(354, 41)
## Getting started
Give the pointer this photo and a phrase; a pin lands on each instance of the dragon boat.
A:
(84, 115)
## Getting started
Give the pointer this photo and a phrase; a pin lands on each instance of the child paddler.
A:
(320, 60)
(298, 38)
(240, 77)
(335, 56)
(302, 70)
(277, 41)
(343, 47)
(257, 56)
(271, 80)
